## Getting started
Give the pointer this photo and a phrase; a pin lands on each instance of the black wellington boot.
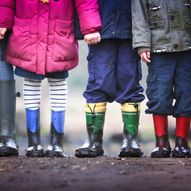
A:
(33, 130)
(163, 149)
(55, 148)
(8, 145)
(181, 149)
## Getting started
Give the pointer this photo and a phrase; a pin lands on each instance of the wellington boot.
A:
(94, 122)
(8, 145)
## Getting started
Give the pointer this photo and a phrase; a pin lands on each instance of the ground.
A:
(102, 173)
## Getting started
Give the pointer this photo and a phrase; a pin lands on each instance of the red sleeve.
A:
(7, 9)
(89, 18)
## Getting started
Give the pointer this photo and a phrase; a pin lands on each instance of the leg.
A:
(182, 109)
(129, 95)
(58, 96)
(8, 145)
(101, 85)
(32, 96)
(101, 88)
(128, 75)
(160, 84)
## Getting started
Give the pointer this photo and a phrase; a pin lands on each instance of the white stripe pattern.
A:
(58, 92)
(32, 93)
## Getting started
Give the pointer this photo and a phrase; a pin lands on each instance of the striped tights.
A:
(57, 94)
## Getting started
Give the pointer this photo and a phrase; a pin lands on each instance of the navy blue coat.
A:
(116, 19)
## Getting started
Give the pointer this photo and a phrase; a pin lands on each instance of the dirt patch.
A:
(102, 173)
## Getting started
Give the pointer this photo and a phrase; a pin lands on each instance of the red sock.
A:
(160, 125)
(182, 127)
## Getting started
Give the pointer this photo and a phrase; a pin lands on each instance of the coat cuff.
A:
(142, 49)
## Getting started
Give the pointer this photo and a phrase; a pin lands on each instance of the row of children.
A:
(41, 44)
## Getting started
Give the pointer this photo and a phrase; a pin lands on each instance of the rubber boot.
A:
(130, 115)
(182, 149)
(95, 117)
(33, 130)
(163, 149)
(55, 149)
(8, 145)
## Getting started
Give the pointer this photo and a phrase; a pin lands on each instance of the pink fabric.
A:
(42, 39)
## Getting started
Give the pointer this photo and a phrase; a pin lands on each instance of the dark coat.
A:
(161, 26)
(116, 19)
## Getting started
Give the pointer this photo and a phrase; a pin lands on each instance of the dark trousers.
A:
(169, 84)
(114, 73)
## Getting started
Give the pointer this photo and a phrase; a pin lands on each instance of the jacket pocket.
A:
(20, 44)
(65, 45)
(156, 19)
(187, 12)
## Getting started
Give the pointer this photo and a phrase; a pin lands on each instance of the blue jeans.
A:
(169, 84)
(114, 73)
(6, 70)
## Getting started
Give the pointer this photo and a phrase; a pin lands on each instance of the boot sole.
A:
(52, 154)
(33, 154)
(7, 152)
(129, 154)
(86, 153)
(161, 155)
(179, 155)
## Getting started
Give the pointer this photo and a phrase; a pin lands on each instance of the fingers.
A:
(2, 33)
(145, 56)
(92, 38)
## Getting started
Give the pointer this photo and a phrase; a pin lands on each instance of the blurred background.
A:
(75, 126)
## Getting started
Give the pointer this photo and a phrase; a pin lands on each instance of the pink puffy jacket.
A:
(42, 38)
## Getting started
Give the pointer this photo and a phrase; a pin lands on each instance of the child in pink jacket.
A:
(42, 45)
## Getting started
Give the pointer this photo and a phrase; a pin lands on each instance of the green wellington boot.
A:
(8, 145)
(130, 146)
(95, 117)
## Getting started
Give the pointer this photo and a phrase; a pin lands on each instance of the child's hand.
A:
(2, 33)
(92, 38)
(145, 56)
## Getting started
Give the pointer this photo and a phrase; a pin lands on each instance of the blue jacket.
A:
(116, 19)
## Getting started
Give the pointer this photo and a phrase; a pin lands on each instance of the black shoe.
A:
(130, 147)
(90, 151)
(54, 151)
(130, 152)
(6, 151)
(8, 147)
(35, 151)
(181, 149)
(161, 152)
(181, 152)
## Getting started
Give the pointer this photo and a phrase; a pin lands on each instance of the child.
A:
(42, 45)
(162, 37)
(8, 146)
(114, 75)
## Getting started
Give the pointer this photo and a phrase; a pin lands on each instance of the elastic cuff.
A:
(95, 107)
(131, 107)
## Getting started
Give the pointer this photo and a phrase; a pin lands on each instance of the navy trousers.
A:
(114, 73)
(169, 84)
